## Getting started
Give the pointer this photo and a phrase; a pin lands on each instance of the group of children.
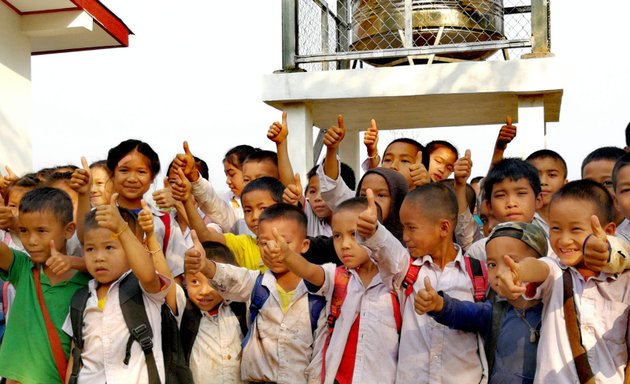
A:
(408, 275)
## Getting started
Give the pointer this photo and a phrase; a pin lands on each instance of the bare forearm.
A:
(160, 265)
(196, 222)
(533, 270)
(460, 193)
(284, 164)
(308, 271)
(83, 207)
(331, 165)
(139, 261)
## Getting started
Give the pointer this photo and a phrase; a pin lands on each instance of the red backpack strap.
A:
(478, 276)
(397, 313)
(166, 220)
(342, 277)
(5, 298)
(410, 277)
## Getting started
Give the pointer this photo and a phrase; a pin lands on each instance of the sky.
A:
(193, 71)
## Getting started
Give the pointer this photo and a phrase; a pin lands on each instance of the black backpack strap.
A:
(191, 318)
(498, 311)
(134, 313)
(77, 309)
(240, 311)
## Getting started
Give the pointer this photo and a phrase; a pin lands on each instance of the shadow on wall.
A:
(15, 147)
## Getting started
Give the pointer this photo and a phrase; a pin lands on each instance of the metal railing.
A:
(321, 35)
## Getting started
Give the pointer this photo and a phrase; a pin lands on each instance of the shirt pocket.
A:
(613, 318)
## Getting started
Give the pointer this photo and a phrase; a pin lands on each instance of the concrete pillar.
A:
(300, 139)
(349, 151)
(531, 133)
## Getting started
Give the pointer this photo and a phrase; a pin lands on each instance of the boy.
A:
(585, 316)
(510, 329)
(598, 166)
(45, 224)
(261, 163)
(114, 255)
(621, 187)
(428, 352)
(552, 171)
(257, 196)
(281, 345)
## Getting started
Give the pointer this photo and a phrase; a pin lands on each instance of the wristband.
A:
(115, 236)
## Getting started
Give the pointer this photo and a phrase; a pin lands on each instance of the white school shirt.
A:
(377, 343)
(315, 226)
(282, 347)
(429, 352)
(602, 304)
(176, 247)
(333, 192)
(105, 336)
(215, 357)
(219, 210)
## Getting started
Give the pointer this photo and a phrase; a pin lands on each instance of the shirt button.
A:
(282, 325)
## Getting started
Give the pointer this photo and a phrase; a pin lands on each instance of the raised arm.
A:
(529, 270)
(195, 259)
(370, 140)
(293, 192)
(332, 139)
(506, 135)
(80, 182)
(278, 133)
(108, 216)
(277, 251)
(6, 257)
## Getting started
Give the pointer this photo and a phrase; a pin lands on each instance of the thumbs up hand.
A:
(195, 257)
(181, 190)
(335, 134)
(506, 134)
(108, 216)
(417, 171)
(427, 299)
(368, 219)
(278, 132)
(58, 262)
(462, 169)
(370, 140)
(596, 249)
(164, 197)
(8, 179)
(81, 178)
(145, 219)
(293, 192)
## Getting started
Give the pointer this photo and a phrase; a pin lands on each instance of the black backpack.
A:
(132, 306)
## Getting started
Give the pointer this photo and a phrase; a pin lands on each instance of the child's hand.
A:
(368, 219)
(370, 139)
(278, 131)
(58, 262)
(509, 283)
(596, 249)
(335, 134)
(8, 179)
(8, 219)
(462, 169)
(276, 250)
(293, 192)
(506, 134)
(145, 219)
(164, 197)
(428, 300)
(182, 188)
(186, 161)
(108, 216)
(418, 172)
(81, 177)
(195, 257)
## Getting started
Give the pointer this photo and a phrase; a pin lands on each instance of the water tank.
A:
(376, 24)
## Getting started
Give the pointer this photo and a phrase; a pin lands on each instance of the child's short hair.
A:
(200, 165)
(603, 153)
(266, 183)
(621, 162)
(628, 135)
(346, 173)
(237, 155)
(26, 181)
(435, 144)
(476, 179)
(471, 196)
(357, 204)
(549, 154)
(89, 223)
(589, 191)
(286, 212)
(100, 164)
(118, 152)
(218, 252)
(407, 140)
(514, 169)
(437, 201)
(261, 155)
(48, 199)
(54, 177)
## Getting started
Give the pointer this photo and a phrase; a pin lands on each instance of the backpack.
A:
(166, 220)
(259, 296)
(476, 271)
(133, 310)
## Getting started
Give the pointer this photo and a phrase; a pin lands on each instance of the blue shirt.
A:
(515, 354)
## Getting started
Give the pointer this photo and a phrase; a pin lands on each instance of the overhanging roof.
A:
(69, 25)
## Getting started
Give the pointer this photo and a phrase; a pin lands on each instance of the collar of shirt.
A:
(459, 259)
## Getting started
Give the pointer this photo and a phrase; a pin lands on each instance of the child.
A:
(586, 314)
(281, 345)
(510, 329)
(101, 186)
(552, 171)
(258, 164)
(113, 255)
(598, 166)
(360, 304)
(428, 352)
(257, 196)
(442, 157)
(9, 211)
(45, 224)
(621, 183)
(211, 328)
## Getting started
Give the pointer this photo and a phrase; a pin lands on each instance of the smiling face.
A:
(101, 187)
(200, 292)
(290, 230)
(379, 186)
(105, 258)
(552, 176)
(497, 248)
(344, 227)
(132, 179)
(318, 205)
(37, 229)
(400, 156)
(514, 201)
(233, 178)
(441, 163)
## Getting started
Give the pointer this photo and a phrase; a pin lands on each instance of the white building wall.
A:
(15, 94)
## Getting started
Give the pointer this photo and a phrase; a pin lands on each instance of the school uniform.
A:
(602, 305)
(282, 347)
(105, 336)
(315, 226)
(176, 247)
(377, 334)
(220, 211)
(429, 352)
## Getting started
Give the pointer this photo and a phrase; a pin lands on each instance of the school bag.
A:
(132, 306)
(259, 296)
(476, 271)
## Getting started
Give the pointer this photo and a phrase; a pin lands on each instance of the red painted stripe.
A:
(108, 20)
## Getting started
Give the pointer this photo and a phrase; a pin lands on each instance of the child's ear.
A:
(69, 230)
(610, 228)
(446, 228)
(488, 206)
(539, 202)
(306, 243)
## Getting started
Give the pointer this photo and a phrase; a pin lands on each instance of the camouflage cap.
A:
(530, 234)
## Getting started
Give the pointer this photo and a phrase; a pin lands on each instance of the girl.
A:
(442, 158)
(101, 187)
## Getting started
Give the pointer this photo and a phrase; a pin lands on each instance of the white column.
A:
(300, 139)
(349, 151)
(531, 126)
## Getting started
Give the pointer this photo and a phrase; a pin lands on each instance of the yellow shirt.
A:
(246, 251)
(285, 297)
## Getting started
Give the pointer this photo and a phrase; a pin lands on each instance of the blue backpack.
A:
(260, 294)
